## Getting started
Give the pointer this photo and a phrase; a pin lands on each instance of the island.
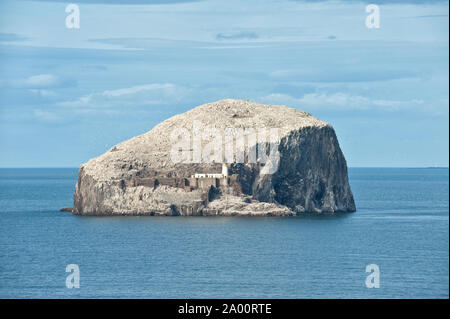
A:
(226, 158)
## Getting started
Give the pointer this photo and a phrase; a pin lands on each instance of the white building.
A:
(224, 170)
(214, 175)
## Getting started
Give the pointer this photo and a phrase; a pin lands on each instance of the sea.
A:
(396, 245)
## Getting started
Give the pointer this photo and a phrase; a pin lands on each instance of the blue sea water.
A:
(401, 225)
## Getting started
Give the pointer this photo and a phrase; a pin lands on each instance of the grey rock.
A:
(311, 176)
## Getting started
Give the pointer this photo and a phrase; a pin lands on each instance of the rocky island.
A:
(146, 175)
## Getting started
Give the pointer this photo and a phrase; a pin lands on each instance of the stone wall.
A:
(188, 184)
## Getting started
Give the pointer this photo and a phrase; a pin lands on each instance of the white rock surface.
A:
(312, 176)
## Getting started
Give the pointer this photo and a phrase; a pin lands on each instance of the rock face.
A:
(140, 177)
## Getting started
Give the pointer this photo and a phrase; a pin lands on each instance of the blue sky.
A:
(67, 95)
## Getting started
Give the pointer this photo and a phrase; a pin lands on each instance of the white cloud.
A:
(42, 81)
(147, 94)
(44, 93)
(139, 88)
(38, 82)
(341, 101)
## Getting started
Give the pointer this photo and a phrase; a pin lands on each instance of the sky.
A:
(67, 94)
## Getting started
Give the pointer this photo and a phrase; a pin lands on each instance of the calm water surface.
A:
(401, 225)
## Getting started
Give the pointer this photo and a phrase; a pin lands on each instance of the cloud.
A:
(45, 116)
(147, 94)
(341, 74)
(123, 2)
(190, 23)
(341, 101)
(379, 2)
(241, 35)
(44, 93)
(12, 37)
(150, 2)
(95, 67)
(39, 81)
(42, 81)
(432, 16)
(137, 89)
(146, 43)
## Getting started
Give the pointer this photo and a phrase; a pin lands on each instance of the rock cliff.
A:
(141, 177)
